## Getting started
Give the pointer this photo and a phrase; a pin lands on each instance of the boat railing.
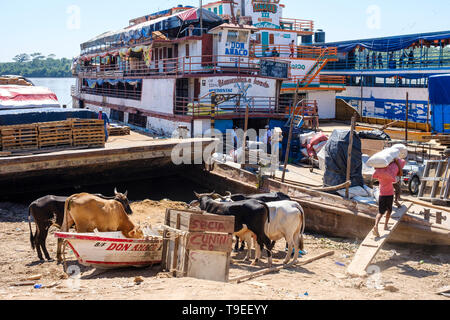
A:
(390, 61)
(131, 94)
(202, 107)
(206, 64)
(299, 52)
(300, 25)
(319, 81)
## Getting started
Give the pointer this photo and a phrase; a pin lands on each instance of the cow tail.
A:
(66, 212)
(268, 211)
(32, 237)
(301, 243)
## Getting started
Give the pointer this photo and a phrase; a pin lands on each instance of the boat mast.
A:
(201, 18)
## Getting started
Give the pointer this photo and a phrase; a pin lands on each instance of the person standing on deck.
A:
(292, 48)
(380, 61)
(386, 200)
(235, 141)
(104, 117)
(267, 139)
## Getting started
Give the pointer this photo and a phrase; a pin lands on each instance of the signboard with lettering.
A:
(264, 13)
(301, 67)
(274, 69)
(248, 88)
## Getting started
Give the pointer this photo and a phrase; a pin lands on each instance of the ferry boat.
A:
(200, 68)
(380, 72)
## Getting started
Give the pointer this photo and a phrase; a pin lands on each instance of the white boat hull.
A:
(112, 250)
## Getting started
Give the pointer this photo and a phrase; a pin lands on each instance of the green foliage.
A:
(37, 66)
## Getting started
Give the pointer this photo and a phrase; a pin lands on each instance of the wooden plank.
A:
(276, 269)
(436, 182)
(372, 245)
(426, 174)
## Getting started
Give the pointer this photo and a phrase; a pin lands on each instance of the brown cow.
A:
(89, 212)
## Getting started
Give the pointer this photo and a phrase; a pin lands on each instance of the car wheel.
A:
(414, 184)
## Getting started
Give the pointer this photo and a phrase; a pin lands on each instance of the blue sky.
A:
(45, 25)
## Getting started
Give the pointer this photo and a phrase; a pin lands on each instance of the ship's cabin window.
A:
(243, 36)
(232, 36)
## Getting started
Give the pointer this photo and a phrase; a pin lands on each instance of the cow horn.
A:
(126, 194)
(228, 194)
(197, 195)
(115, 191)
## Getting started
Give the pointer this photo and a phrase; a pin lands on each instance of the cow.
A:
(89, 213)
(287, 220)
(264, 197)
(48, 211)
(250, 215)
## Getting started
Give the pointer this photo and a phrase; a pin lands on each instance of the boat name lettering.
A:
(131, 247)
(260, 83)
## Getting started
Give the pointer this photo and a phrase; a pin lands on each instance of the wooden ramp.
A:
(372, 245)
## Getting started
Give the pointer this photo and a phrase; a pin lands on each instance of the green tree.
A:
(20, 58)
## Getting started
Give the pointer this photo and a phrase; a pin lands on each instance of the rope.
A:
(65, 243)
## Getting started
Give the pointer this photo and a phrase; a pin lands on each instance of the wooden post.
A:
(288, 148)
(213, 110)
(349, 155)
(407, 117)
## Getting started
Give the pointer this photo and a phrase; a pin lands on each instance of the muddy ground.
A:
(405, 272)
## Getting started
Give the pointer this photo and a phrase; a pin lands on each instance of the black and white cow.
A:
(250, 215)
(264, 197)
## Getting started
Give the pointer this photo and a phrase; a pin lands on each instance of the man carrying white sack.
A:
(389, 166)
(387, 178)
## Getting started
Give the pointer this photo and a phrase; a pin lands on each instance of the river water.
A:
(60, 86)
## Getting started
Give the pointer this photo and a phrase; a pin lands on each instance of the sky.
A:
(60, 26)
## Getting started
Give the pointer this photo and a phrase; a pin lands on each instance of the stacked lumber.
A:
(88, 133)
(119, 131)
(443, 139)
(19, 137)
(55, 134)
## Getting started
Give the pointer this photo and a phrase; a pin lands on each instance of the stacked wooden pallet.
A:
(119, 131)
(19, 137)
(88, 133)
(55, 134)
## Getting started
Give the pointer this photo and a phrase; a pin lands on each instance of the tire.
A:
(413, 185)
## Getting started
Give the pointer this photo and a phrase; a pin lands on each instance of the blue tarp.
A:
(27, 116)
(439, 92)
(439, 89)
(388, 44)
(93, 82)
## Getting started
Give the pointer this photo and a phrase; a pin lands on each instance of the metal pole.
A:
(288, 149)
(349, 156)
(201, 18)
(245, 136)
(407, 117)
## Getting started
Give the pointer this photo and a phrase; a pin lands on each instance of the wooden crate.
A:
(19, 137)
(88, 132)
(55, 134)
(201, 246)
